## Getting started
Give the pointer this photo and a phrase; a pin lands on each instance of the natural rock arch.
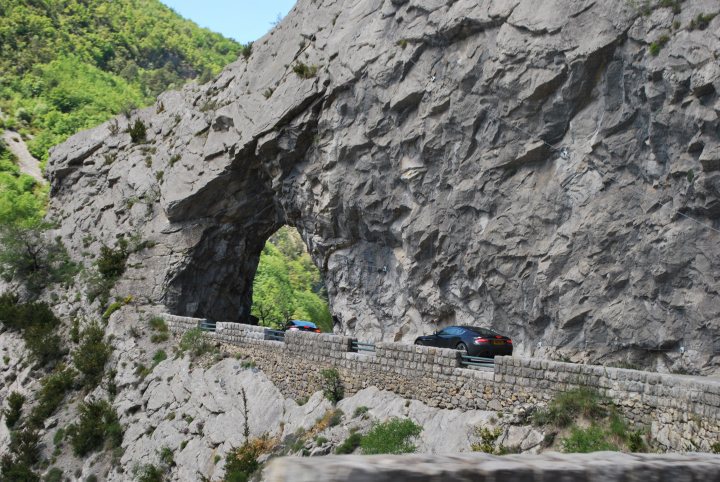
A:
(423, 167)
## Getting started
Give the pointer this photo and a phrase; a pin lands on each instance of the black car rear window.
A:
(482, 331)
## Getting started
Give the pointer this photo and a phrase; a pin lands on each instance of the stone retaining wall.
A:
(682, 412)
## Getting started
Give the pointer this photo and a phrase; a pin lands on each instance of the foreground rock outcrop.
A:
(601, 466)
(530, 166)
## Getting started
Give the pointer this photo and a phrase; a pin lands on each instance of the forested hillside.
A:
(68, 65)
(288, 285)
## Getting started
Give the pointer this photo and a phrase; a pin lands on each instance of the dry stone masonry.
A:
(526, 165)
(682, 413)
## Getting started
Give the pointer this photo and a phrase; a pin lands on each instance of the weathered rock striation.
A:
(529, 166)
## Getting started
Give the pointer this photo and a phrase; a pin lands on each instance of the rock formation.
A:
(539, 167)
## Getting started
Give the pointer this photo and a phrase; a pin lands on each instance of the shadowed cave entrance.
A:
(261, 273)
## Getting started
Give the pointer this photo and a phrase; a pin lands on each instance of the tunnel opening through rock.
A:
(287, 285)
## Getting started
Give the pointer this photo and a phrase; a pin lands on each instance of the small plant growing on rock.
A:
(350, 444)
(194, 343)
(563, 410)
(305, 71)
(360, 411)
(241, 463)
(53, 389)
(91, 355)
(246, 50)
(138, 132)
(332, 386)
(159, 356)
(488, 438)
(14, 411)
(585, 440)
(657, 45)
(391, 437)
(158, 325)
(702, 21)
(111, 263)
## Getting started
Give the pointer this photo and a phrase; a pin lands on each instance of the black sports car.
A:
(472, 340)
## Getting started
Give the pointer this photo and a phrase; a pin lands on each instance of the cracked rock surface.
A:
(197, 413)
(529, 166)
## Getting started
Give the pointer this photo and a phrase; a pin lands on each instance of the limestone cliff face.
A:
(526, 165)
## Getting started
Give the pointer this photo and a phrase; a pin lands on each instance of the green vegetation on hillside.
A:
(590, 423)
(288, 285)
(68, 65)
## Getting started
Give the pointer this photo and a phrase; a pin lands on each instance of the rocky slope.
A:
(197, 414)
(530, 166)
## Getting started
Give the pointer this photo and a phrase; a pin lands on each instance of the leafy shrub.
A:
(53, 389)
(158, 325)
(567, 406)
(37, 323)
(332, 385)
(487, 440)
(241, 463)
(28, 256)
(58, 437)
(633, 439)
(360, 411)
(159, 356)
(150, 473)
(159, 337)
(23, 453)
(97, 427)
(246, 50)
(91, 355)
(111, 263)
(111, 309)
(391, 437)
(657, 45)
(350, 444)
(54, 475)
(305, 71)
(702, 21)
(14, 411)
(194, 342)
(138, 132)
(585, 440)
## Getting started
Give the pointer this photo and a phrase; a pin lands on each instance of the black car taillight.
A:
(479, 340)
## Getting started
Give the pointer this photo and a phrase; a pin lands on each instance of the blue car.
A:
(301, 325)
(472, 340)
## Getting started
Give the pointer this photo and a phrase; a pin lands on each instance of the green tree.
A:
(92, 354)
(287, 283)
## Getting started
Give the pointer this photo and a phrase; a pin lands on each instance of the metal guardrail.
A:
(207, 325)
(275, 335)
(359, 346)
(468, 361)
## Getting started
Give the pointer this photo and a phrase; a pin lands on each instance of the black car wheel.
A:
(462, 348)
(419, 342)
